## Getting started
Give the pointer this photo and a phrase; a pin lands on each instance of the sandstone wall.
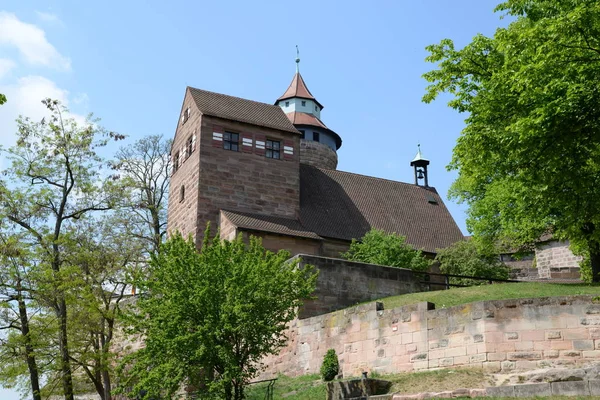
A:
(318, 155)
(555, 260)
(344, 283)
(497, 335)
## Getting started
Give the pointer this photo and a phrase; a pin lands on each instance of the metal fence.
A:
(446, 282)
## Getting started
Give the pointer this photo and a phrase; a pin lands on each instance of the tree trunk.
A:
(29, 351)
(67, 378)
(595, 261)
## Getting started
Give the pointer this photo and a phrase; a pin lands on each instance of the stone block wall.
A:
(497, 335)
(555, 260)
(183, 207)
(245, 180)
(343, 283)
(318, 155)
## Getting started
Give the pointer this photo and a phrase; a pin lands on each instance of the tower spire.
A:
(297, 60)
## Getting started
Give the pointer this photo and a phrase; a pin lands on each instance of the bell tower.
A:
(419, 163)
(318, 143)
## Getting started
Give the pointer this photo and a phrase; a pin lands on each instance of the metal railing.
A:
(269, 389)
(447, 277)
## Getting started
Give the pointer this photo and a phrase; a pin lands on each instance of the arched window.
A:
(181, 193)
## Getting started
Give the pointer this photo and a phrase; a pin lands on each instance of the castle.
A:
(267, 170)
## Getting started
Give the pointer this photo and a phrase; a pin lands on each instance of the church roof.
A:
(298, 89)
(238, 109)
(268, 223)
(343, 205)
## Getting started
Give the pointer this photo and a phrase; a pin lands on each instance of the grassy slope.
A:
(456, 296)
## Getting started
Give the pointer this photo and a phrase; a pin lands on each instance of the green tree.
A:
(528, 159)
(209, 317)
(378, 247)
(2, 99)
(102, 257)
(466, 258)
(17, 304)
(55, 179)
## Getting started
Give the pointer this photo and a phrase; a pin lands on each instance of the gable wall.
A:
(182, 214)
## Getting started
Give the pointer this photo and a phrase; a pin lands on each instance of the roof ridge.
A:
(378, 178)
(233, 97)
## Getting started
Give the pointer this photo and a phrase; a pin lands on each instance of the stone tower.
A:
(318, 143)
(231, 154)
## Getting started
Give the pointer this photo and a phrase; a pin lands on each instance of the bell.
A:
(420, 174)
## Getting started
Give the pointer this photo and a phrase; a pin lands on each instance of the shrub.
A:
(331, 366)
(466, 258)
(378, 247)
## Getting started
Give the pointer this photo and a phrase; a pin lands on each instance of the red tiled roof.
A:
(298, 89)
(300, 118)
(342, 205)
(238, 109)
(269, 223)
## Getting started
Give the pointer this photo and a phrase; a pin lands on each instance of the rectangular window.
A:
(176, 162)
(287, 103)
(273, 149)
(231, 141)
(303, 103)
(301, 133)
(189, 147)
(316, 136)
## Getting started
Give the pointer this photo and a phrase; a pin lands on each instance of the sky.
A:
(129, 63)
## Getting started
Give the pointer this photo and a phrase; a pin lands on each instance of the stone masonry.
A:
(555, 260)
(502, 335)
(343, 283)
(318, 155)
(213, 178)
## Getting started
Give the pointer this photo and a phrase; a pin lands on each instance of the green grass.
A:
(456, 296)
(437, 380)
(307, 387)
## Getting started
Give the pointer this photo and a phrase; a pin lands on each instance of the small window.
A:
(181, 193)
(301, 133)
(303, 103)
(287, 103)
(316, 136)
(231, 141)
(316, 108)
(185, 116)
(189, 147)
(176, 162)
(273, 149)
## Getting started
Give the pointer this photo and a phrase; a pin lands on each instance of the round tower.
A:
(318, 144)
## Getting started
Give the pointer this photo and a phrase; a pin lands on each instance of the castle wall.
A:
(497, 335)
(245, 180)
(344, 283)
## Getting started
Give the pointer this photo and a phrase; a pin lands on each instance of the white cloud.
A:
(6, 66)
(31, 42)
(25, 98)
(49, 17)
